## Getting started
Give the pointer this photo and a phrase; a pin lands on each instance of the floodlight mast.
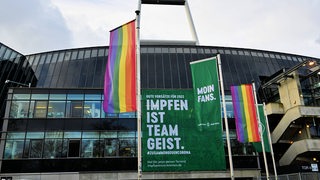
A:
(187, 9)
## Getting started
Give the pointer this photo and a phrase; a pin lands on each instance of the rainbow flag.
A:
(120, 75)
(245, 113)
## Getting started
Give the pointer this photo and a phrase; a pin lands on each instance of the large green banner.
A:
(171, 140)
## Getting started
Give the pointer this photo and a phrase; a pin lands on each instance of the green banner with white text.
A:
(206, 95)
(171, 140)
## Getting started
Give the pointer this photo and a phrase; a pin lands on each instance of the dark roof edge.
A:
(182, 44)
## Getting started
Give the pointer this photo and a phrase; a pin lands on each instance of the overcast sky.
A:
(290, 26)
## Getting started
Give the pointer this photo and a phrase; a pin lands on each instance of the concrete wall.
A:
(254, 173)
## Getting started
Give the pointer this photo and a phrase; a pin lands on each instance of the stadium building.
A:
(54, 126)
(58, 125)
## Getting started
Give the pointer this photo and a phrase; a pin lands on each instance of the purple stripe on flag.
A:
(110, 70)
(237, 113)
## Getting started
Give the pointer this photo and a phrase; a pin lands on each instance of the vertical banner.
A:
(171, 140)
(257, 145)
(207, 107)
(207, 104)
(245, 113)
(120, 75)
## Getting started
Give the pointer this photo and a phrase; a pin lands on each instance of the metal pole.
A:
(270, 142)
(191, 24)
(225, 118)
(261, 132)
(138, 89)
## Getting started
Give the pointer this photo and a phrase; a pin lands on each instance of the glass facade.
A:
(59, 124)
(15, 71)
(161, 66)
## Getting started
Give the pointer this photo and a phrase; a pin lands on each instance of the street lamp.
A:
(9, 81)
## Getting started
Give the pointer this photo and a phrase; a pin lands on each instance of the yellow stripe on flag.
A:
(122, 70)
(246, 111)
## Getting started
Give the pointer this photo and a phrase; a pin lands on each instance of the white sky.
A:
(290, 26)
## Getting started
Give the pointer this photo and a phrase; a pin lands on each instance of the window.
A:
(13, 149)
(39, 96)
(58, 144)
(19, 109)
(58, 105)
(52, 148)
(111, 147)
(40, 110)
(75, 97)
(92, 109)
(127, 147)
(56, 109)
(90, 148)
(74, 148)
(57, 97)
(35, 148)
(75, 109)
(127, 144)
(229, 107)
(21, 96)
(14, 145)
(127, 115)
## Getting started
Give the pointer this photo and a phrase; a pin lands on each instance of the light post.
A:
(9, 81)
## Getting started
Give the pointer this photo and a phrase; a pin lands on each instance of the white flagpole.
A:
(225, 117)
(270, 143)
(138, 97)
(260, 131)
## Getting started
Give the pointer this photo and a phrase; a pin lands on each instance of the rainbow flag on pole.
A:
(120, 75)
(245, 113)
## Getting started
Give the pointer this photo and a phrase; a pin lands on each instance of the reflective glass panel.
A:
(112, 134)
(92, 97)
(52, 148)
(90, 135)
(127, 115)
(35, 135)
(127, 147)
(75, 96)
(21, 96)
(92, 109)
(39, 96)
(57, 96)
(111, 147)
(74, 109)
(55, 134)
(31, 109)
(15, 135)
(19, 109)
(127, 134)
(101, 52)
(26, 149)
(90, 148)
(72, 134)
(56, 109)
(36, 148)
(40, 110)
(13, 149)
(74, 55)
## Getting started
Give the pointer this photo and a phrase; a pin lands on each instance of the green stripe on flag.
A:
(257, 146)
